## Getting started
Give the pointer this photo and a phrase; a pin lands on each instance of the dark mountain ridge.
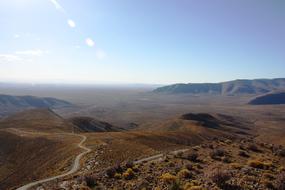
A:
(236, 87)
(88, 124)
(268, 99)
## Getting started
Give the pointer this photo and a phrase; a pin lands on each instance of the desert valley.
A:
(144, 138)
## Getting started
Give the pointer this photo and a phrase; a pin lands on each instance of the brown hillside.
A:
(26, 157)
(37, 120)
(162, 137)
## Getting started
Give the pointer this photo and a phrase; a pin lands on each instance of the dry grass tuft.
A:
(193, 156)
(184, 173)
(220, 177)
(129, 174)
(280, 181)
(168, 178)
(259, 165)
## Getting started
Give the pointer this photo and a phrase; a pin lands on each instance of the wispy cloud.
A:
(21, 56)
(36, 52)
(9, 58)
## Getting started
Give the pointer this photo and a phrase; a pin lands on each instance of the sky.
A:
(141, 41)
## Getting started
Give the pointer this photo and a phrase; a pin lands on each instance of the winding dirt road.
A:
(75, 167)
(76, 164)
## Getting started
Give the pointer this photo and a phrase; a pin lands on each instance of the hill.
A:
(11, 104)
(88, 124)
(32, 101)
(268, 99)
(26, 156)
(168, 135)
(44, 120)
(236, 87)
(203, 123)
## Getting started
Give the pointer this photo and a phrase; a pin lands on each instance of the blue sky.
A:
(141, 41)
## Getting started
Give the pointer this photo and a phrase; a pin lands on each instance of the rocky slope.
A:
(241, 164)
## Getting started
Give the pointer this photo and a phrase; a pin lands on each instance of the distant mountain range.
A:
(267, 99)
(236, 87)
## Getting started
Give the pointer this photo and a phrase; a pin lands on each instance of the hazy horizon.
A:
(118, 84)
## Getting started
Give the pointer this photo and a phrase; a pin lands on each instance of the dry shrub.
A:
(84, 188)
(236, 166)
(129, 164)
(189, 166)
(251, 179)
(196, 148)
(136, 168)
(226, 159)
(110, 172)
(129, 174)
(220, 177)
(280, 181)
(193, 156)
(171, 164)
(253, 148)
(268, 184)
(216, 154)
(90, 180)
(184, 173)
(175, 186)
(281, 169)
(195, 188)
(259, 165)
(281, 153)
(242, 147)
(193, 185)
(118, 168)
(179, 155)
(243, 154)
(228, 141)
(118, 176)
(168, 178)
(268, 176)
